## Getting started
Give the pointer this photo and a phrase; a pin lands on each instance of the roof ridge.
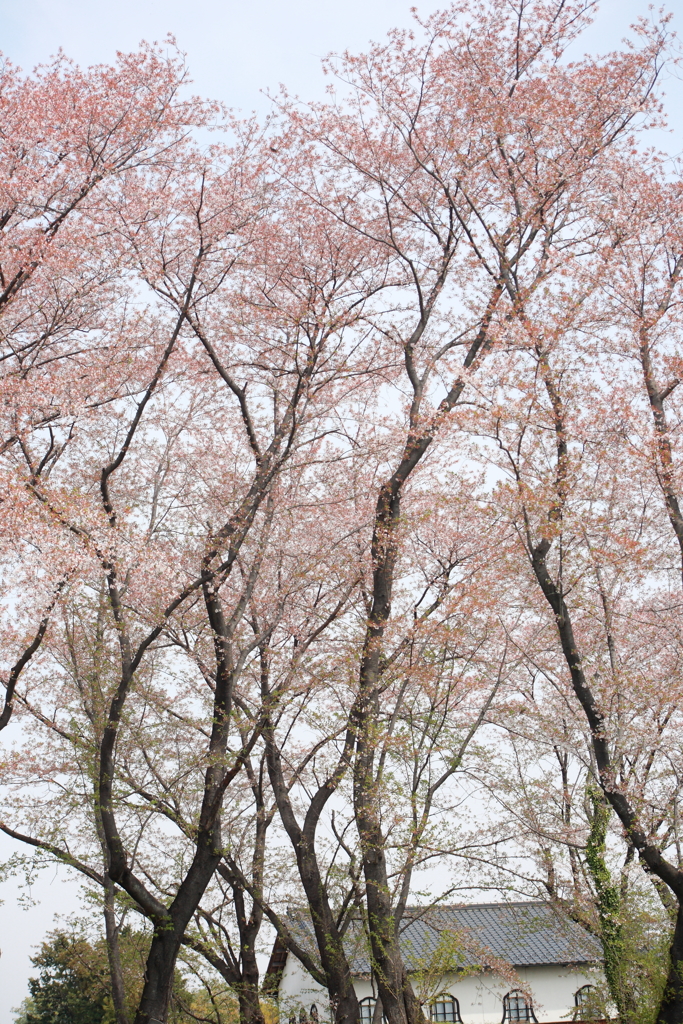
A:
(471, 906)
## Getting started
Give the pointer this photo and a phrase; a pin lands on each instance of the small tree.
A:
(74, 985)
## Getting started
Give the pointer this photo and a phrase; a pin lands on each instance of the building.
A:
(483, 963)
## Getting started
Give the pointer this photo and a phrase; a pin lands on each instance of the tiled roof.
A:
(522, 934)
(446, 938)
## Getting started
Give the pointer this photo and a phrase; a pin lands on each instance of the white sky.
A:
(236, 49)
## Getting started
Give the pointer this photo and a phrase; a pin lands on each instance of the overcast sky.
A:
(236, 50)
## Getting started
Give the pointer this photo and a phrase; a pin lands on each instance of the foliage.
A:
(638, 983)
(74, 987)
(72, 984)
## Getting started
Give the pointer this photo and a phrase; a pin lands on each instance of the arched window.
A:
(517, 1007)
(367, 1010)
(445, 1008)
(303, 1019)
(582, 1002)
(314, 1014)
(582, 996)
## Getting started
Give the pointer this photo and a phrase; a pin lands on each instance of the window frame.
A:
(580, 1003)
(367, 1001)
(517, 994)
(584, 988)
(444, 998)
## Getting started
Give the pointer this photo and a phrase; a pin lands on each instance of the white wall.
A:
(480, 996)
(298, 989)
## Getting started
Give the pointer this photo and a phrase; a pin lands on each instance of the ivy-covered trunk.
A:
(609, 904)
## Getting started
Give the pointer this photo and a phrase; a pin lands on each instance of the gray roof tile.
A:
(523, 934)
(446, 938)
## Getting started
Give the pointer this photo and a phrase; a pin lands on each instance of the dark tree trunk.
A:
(159, 974)
(249, 1002)
(118, 990)
(671, 1008)
(335, 966)
(241, 975)
(170, 922)
(248, 984)
(399, 1002)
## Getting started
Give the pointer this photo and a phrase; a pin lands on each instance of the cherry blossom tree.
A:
(169, 492)
(245, 388)
(468, 158)
(591, 482)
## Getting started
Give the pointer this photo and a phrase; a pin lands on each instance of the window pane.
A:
(516, 1007)
(581, 997)
(367, 1009)
(443, 1009)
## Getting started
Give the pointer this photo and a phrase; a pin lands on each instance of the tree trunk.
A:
(399, 1002)
(609, 911)
(159, 975)
(671, 1007)
(398, 999)
(249, 1002)
(118, 990)
(249, 928)
(343, 999)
